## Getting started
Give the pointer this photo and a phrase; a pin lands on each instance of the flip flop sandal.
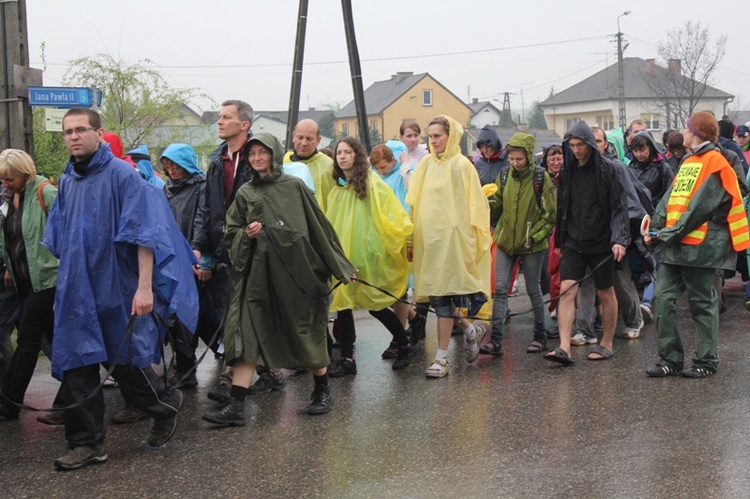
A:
(560, 356)
(536, 347)
(604, 353)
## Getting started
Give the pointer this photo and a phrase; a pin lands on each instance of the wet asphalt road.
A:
(511, 427)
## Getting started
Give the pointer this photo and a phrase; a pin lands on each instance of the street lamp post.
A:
(621, 73)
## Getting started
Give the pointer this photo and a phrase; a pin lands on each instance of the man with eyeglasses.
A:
(121, 255)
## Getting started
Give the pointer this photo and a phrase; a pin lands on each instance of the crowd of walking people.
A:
(265, 256)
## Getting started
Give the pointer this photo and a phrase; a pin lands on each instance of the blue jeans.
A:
(648, 293)
(532, 271)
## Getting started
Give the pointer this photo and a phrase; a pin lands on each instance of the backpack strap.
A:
(41, 198)
(538, 183)
(503, 178)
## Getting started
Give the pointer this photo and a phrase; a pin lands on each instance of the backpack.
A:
(41, 198)
(539, 173)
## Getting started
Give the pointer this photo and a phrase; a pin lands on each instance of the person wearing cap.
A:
(742, 137)
(700, 223)
(284, 252)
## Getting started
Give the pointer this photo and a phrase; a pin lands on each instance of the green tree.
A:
(536, 117)
(506, 119)
(138, 104)
(50, 153)
(327, 125)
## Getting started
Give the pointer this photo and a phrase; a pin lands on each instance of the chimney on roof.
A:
(675, 66)
(651, 67)
(401, 75)
(475, 100)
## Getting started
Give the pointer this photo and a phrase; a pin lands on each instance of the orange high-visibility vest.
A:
(693, 172)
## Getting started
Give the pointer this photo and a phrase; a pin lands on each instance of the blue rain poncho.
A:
(302, 172)
(373, 234)
(94, 228)
(142, 160)
(395, 179)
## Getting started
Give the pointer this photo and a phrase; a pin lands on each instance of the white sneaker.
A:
(632, 333)
(581, 339)
(473, 353)
(648, 315)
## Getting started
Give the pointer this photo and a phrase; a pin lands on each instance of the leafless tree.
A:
(692, 57)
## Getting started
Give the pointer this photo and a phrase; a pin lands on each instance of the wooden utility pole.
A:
(356, 71)
(16, 124)
(299, 57)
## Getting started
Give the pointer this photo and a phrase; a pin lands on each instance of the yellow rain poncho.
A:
(373, 234)
(451, 224)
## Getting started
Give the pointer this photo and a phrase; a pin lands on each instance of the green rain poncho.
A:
(373, 234)
(451, 224)
(278, 315)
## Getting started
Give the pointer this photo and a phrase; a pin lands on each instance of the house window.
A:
(426, 97)
(606, 122)
(652, 121)
(345, 129)
(374, 125)
(570, 122)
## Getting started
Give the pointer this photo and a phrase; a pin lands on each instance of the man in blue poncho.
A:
(121, 254)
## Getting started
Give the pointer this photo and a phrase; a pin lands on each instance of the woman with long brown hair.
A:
(372, 227)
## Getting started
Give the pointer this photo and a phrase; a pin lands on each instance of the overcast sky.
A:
(244, 48)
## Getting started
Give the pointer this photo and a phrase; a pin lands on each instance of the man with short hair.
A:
(227, 171)
(635, 127)
(592, 230)
(121, 255)
(306, 138)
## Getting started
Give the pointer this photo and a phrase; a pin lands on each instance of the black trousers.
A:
(84, 425)
(37, 322)
(386, 316)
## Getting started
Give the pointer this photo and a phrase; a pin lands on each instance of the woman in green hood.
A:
(284, 252)
(525, 205)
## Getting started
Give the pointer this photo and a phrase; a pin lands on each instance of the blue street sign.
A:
(61, 96)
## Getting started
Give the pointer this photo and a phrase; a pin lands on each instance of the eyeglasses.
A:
(79, 131)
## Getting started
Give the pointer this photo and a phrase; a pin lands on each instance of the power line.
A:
(405, 57)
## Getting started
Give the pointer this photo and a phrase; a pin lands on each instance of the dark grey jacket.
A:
(489, 169)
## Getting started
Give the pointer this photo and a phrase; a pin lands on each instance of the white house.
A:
(483, 113)
(595, 100)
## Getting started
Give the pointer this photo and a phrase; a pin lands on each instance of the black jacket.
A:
(183, 197)
(609, 189)
(210, 219)
(656, 174)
